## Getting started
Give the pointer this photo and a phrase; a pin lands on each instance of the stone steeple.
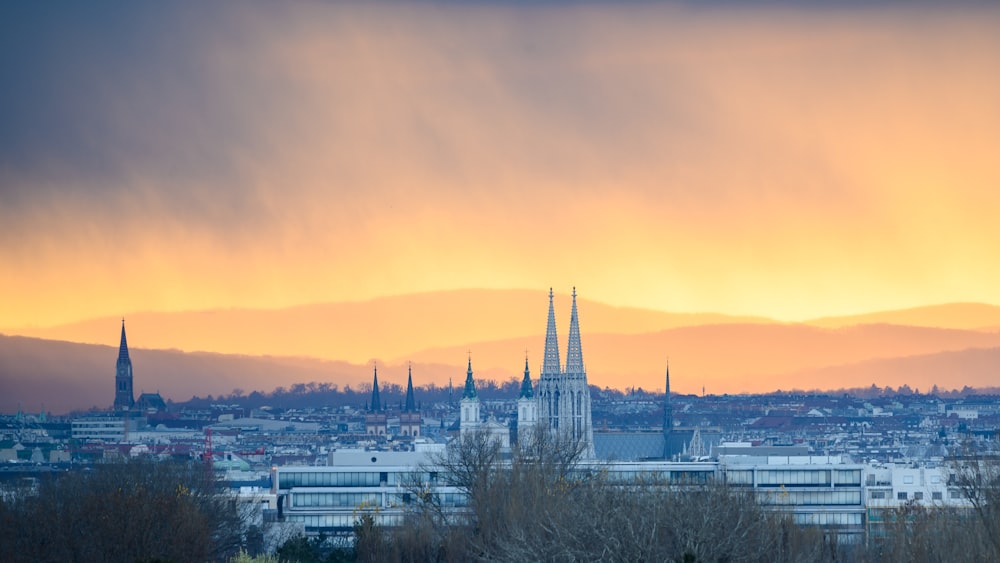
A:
(550, 361)
(376, 404)
(410, 403)
(668, 408)
(376, 421)
(124, 395)
(409, 419)
(574, 353)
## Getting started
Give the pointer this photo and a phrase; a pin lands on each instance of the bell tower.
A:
(124, 395)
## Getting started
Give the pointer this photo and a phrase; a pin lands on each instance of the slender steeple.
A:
(668, 408)
(550, 362)
(124, 395)
(123, 346)
(526, 390)
(574, 354)
(470, 383)
(410, 403)
(376, 401)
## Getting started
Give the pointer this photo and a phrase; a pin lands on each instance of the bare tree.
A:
(124, 511)
(538, 502)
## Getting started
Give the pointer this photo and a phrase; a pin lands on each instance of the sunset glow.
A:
(784, 162)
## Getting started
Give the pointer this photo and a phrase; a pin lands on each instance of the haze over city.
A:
(724, 185)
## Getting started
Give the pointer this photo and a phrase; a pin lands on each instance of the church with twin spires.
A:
(561, 401)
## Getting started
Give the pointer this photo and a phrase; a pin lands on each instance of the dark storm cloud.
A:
(93, 90)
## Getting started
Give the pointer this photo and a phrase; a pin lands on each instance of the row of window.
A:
(354, 500)
(299, 500)
(828, 518)
(657, 476)
(342, 521)
(917, 495)
(774, 477)
(805, 498)
(287, 480)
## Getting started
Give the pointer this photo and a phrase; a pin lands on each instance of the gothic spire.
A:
(376, 401)
(526, 390)
(550, 362)
(410, 403)
(123, 347)
(574, 354)
(668, 381)
(668, 408)
(470, 384)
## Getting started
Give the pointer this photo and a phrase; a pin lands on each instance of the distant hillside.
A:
(725, 358)
(358, 332)
(964, 316)
(978, 368)
(64, 376)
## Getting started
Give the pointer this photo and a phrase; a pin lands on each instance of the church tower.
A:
(563, 394)
(409, 419)
(551, 376)
(469, 405)
(668, 420)
(578, 397)
(527, 405)
(124, 395)
(375, 420)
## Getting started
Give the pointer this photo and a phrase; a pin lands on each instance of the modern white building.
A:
(105, 428)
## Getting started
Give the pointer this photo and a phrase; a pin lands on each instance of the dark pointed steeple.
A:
(123, 346)
(410, 403)
(550, 361)
(574, 354)
(376, 401)
(470, 383)
(124, 395)
(527, 391)
(668, 408)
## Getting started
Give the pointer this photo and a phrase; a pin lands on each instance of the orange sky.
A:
(790, 163)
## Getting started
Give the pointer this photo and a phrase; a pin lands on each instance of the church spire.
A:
(123, 346)
(470, 384)
(668, 408)
(410, 404)
(124, 395)
(526, 390)
(376, 401)
(574, 354)
(550, 362)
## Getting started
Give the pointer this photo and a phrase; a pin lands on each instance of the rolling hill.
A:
(358, 332)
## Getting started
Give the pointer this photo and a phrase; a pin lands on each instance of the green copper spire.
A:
(527, 391)
(470, 384)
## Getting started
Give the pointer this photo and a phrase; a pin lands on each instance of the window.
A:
(936, 495)
(876, 494)
(918, 495)
(907, 479)
(901, 496)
